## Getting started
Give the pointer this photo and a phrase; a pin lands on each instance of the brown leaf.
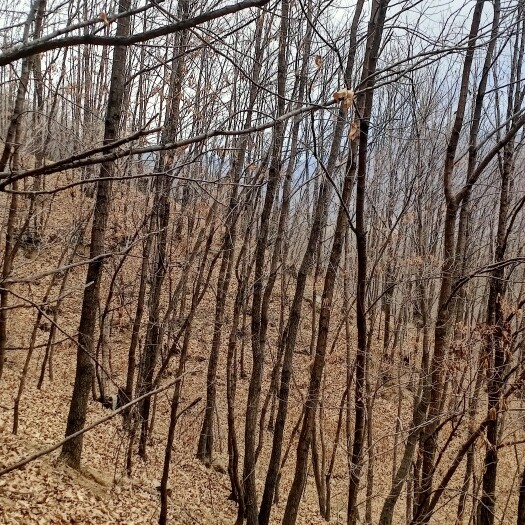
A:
(346, 96)
(339, 95)
(104, 18)
(353, 134)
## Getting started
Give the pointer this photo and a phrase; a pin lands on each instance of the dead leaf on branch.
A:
(345, 96)
(353, 134)
(104, 18)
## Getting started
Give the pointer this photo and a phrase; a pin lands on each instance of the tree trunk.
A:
(160, 223)
(289, 337)
(72, 450)
(258, 324)
(375, 33)
(205, 446)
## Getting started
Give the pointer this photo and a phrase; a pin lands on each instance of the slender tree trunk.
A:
(197, 296)
(496, 351)
(258, 324)
(161, 218)
(205, 446)
(364, 104)
(9, 151)
(72, 450)
(289, 337)
(23, 375)
(375, 32)
(433, 392)
(135, 330)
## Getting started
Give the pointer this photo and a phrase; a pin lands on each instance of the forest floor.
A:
(47, 492)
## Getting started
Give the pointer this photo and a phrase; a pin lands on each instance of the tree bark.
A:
(258, 324)
(72, 450)
(374, 36)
